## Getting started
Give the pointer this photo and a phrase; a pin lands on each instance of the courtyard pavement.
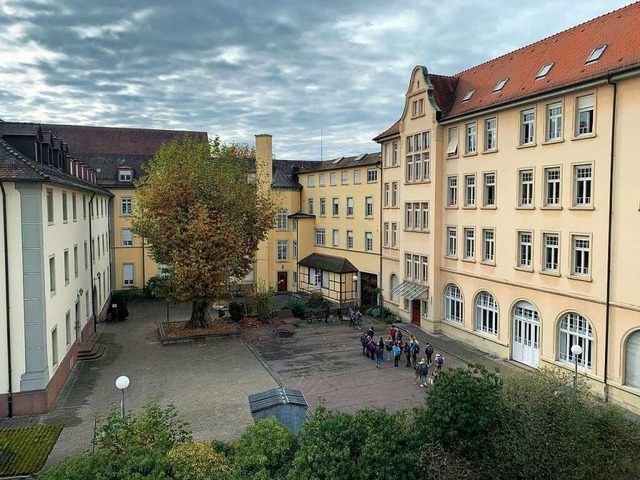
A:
(209, 382)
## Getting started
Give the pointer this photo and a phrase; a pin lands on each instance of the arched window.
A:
(576, 330)
(632, 367)
(394, 284)
(453, 303)
(486, 313)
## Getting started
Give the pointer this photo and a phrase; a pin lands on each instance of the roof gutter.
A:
(7, 297)
(527, 101)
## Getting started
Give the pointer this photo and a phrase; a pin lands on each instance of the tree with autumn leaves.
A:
(203, 215)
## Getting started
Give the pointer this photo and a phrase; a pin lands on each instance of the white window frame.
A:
(126, 206)
(581, 255)
(311, 181)
(554, 122)
(125, 175)
(350, 207)
(525, 249)
(424, 268)
(310, 206)
(323, 206)
(583, 185)
(453, 304)
(349, 239)
(282, 220)
(486, 313)
(528, 126)
(452, 191)
(368, 241)
(321, 179)
(385, 234)
(126, 240)
(551, 254)
(574, 329)
(488, 245)
(452, 145)
(552, 186)
(128, 282)
(525, 187)
(344, 178)
(387, 194)
(469, 243)
(394, 234)
(470, 190)
(356, 177)
(52, 274)
(491, 134)
(394, 194)
(336, 237)
(489, 189)
(471, 138)
(333, 179)
(452, 242)
(424, 216)
(585, 108)
(335, 207)
(295, 248)
(320, 237)
(282, 249)
(409, 169)
(368, 207)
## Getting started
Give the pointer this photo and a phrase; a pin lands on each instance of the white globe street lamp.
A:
(355, 282)
(122, 382)
(576, 351)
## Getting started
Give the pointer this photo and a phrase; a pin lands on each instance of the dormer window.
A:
(544, 70)
(126, 175)
(468, 95)
(596, 54)
(500, 85)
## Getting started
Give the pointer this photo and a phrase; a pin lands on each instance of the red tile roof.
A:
(109, 140)
(389, 132)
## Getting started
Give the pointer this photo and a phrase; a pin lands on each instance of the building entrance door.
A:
(282, 281)
(368, 289)
(526, 334)
(415, 312)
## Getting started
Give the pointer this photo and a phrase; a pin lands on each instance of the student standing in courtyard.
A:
(359, 319)
(397, 351)
(388, 346)
(428, 351)
(439, 361)
(379, 353)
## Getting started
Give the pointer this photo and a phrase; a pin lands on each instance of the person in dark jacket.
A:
(379, 353)
(397, 352)
(428, 351)
(407, 352)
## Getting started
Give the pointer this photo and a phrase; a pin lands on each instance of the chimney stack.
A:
(264, 159)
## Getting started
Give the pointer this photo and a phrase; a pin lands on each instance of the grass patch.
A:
(25, 450)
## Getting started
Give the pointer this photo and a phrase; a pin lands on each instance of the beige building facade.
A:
(521, 171)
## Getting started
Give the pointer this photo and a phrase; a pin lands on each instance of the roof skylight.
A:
(468, 95)
(359, 157)
(544, 70)
(596, 54)
(500, 84)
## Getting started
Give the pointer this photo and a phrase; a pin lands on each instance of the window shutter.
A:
(585, 102)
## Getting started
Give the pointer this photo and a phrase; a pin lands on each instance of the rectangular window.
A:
(283, 219)
(345, 178)
(452, 145)
(409, 144)
(126, 175)
(310, 206)
(349, 206)
(68, 328)
(584, 115)
(294, 280)
(452, 241)
(283, 250)
(394, 194)
(323, 207)
(551, 251)
(368, 207)
(408, 217)
(470, 190)
(416, 267)
(526, 188)
(66, 267)
(471, 136)
(368, 241)
(74, 208)
(86, 255)
(385, 154)
(488, 245)
(65, 215)
(490, 189)
(554, 121)
(524, 249)
(127, 274)
(409, 169)
(417, 164)
(54, 346)
(295, 249)
(552, 187)
(424, 216)
(452, 192)
(407, 265)
(335, 209)
(582, 185)
(311, 181)
(394, 234)
(394, 154)
(333, 179)
(426, 140)
(49, 205)
(52, 274)
(75, 261)
(84, 207)
(372, 175)
(416, 142)
(385, 235)
(320, 237)
(469, 243)
(426, 167)
(356, 176)
(350, 239)
(527, 127)
(126, 206)
(424, 269)
(336, 238)
(321, 179)
(490, 134)
(581, 255)
(387, 194)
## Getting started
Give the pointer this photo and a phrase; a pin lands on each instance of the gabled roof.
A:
(392, 131)
(328, 263)
(281, 180)
(116, 140)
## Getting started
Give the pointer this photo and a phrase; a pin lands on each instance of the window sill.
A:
(550, 273)
(488, 263)
(65, 221)
(582, 137)
(488, 152)
(52, 294)
(551, 207)
(524, 269)
(391, 166)
(344, 184)
(50, 223)
(451, 157)
(416, 182)
(349, 216)
(451, 257)
(451, 207)
(579, 278)
(417, 116)
(488, 207)
(469, 259)
(586, 208)
(369, 217)
(372, 181)
(75, 220)
(469, 207)
(527, 145)
(356, 183)
(470, 154)
(525, 207)
(335, 216)
(553, 141)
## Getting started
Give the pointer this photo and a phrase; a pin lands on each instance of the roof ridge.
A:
(512, 52)
(114, 128)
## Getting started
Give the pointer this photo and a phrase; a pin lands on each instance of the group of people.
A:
(395, 346)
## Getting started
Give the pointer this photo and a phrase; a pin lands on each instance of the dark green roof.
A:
(328, 263)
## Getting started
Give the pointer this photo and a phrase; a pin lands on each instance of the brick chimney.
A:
(264, 159)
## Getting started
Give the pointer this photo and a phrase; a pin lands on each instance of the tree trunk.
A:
(200, 315)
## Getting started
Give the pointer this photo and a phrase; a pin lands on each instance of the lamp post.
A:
(576, 351)
(355, 282)
(122, 382)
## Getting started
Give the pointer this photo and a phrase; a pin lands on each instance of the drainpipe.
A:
(381, 228)
(609, 245)
(91, 257)
(144, 281)
(6, 293)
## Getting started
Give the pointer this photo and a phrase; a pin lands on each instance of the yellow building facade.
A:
(521, 171)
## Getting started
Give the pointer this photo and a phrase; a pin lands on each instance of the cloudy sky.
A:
(290, 68)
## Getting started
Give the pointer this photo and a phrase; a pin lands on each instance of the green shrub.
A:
(158, 286)
(198, 461)
(262, 301)
(315, 301)
(296, 306)
(236, 311)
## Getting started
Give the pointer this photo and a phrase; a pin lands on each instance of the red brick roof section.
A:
(443, 90)
(389, 132)
(568, 50)
(123, 141)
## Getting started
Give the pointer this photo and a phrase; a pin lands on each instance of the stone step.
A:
(90, 351)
